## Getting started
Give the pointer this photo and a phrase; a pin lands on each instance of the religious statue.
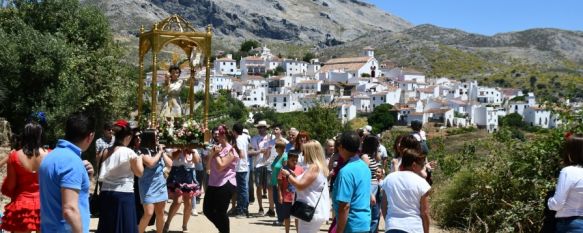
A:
(172, 106)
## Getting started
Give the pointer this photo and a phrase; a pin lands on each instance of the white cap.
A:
(368, 128)
(245, 131)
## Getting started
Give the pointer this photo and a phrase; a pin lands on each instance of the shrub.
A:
(502, 191)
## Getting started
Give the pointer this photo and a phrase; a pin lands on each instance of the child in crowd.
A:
(286, 190)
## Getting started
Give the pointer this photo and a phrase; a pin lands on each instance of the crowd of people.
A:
(350, 182)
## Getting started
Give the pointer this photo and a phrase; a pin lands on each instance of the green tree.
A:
(60, 57)
(247, 45)
(308, 57)
(512, 120)
(382, 118)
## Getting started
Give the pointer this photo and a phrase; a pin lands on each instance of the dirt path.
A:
(254, 224)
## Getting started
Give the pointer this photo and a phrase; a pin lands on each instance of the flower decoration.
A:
(181, 133)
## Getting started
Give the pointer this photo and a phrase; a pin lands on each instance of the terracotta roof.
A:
(225, 59)
(392, 88)
(254, 77)
(440, 100)
(458, 101)
(253, 58)
(509, 91)
(347, 64)
(368, 48)
(412, 101)
(537, 108)
(426, 90)
(417, 113)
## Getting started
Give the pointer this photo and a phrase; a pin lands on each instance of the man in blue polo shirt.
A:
(351, 192)
(64, 179)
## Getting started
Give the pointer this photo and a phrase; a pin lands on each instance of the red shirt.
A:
(286, 194)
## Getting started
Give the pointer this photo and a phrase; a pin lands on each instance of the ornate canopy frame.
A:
(177, 31)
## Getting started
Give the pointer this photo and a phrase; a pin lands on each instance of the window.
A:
(284, 104)
(274, 105)
(255, 99)
(284, 99)
(274, 99)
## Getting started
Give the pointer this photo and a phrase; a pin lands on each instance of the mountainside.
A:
(325, 22)
(424, 46)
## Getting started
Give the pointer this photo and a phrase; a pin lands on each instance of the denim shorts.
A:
(570, 224)
(262, 177)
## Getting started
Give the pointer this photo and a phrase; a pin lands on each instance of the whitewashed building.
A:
(516, 107)
(488, 95)
(313, 68)
(427, 92)
(226, 65)
(390, 96)
(255, 97)
(362, 103)
(538, 116)
(309, 86)
(287, 102)
(346, 112)
(345, 69)
(277, 84)
(295, 67)
(486, 118)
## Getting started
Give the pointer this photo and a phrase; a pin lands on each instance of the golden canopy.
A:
(177, 31)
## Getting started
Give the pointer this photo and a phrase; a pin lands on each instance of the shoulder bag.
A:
(304, 211)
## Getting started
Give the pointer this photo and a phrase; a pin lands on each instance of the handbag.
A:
(304, 211)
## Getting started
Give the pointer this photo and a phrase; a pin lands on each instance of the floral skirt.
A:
(181, 182)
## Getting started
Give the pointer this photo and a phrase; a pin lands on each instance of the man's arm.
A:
(343, 209)
(71, 214)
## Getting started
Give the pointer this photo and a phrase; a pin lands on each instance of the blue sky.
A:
(489, 17)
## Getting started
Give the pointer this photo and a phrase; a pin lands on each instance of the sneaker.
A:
(261, 212)
(231, 212)
(277, 223)
(194, 213)
(270, 213)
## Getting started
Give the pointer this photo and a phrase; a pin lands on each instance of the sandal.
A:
(184, 229)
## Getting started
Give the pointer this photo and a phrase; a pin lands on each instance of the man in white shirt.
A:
(242, 173)
(260, 152)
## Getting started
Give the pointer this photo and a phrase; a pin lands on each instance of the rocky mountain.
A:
(338, 28)
(326, 22)
(426, 46)
(568, 44)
